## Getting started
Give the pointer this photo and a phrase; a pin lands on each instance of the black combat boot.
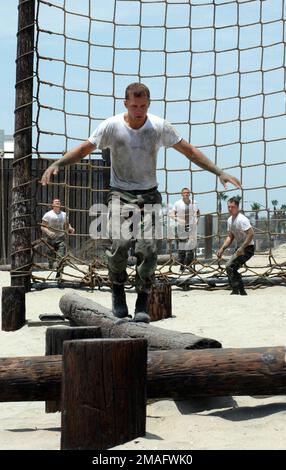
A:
(141, 308)
(119, 305)
(235, 287)
(242, 291)
(235, 291)
(181, 259)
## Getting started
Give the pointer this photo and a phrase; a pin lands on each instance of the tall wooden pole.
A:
(21, 254)
(208, 236)
(106, 173)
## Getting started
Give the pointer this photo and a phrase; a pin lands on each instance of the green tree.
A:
(275, 215)
(281, 216)
(255, 207)
(221, 196)
(275, 204)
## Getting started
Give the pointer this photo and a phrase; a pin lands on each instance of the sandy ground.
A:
(214, 423)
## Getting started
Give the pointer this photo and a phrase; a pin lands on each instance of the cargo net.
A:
(216, 71)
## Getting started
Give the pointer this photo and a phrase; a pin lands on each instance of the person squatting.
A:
(239, 229)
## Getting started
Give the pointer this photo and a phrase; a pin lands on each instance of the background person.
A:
(54, 224)
(239, 229)
(186, 214)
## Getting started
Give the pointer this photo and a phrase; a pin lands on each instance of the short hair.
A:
(185, 189)
(55, 199)
(137, 89)
(234, 199)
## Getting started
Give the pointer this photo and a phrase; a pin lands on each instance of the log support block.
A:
(55, 337)
(103, 393)
(13, 308)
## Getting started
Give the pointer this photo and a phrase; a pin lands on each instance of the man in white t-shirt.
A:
(54, 224)
(239, 228)
(134, 138)
(186, 214)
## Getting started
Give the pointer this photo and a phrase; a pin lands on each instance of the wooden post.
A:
(106, 173)
(21, 252)
(160, 301)
(55, 337)
(208, 236)
(103, 393)
(13, 308)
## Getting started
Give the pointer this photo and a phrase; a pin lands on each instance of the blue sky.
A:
(8, 15)
(164, 63)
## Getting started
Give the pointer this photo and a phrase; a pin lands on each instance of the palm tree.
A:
(222, 196)
(255, 207)
(281, 215)
(275, 215)
(275, 204)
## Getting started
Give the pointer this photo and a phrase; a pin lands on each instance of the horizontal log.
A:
(170, 374)
(30, 378)
(85, 312)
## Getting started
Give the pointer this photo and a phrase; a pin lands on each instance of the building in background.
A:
(6, 144)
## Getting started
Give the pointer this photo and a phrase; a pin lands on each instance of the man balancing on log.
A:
(134, 138)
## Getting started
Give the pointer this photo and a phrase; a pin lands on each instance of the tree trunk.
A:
(170, 374)
(82, 311)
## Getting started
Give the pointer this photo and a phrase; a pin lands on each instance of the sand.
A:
(210, 423)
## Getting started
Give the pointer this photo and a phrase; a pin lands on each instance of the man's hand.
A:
(50, 234)
(219, 253)
(53, 169)
(71, 230)
(226, 178)
(239, 252)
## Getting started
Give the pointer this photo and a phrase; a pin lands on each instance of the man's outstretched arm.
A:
(72, 156)
(197, 157)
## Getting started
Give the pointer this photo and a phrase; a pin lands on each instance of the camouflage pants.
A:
(58, 248)
(186, 246)
(145, 250)
(235, 263)
(186, 257)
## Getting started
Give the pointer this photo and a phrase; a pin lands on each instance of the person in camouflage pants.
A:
(134, 139)
(145, 248)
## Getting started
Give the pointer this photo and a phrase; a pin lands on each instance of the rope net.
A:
(216, 70)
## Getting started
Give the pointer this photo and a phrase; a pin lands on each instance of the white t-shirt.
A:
(186, 215)
(134, 151)
(238, 226)
(56, 223)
